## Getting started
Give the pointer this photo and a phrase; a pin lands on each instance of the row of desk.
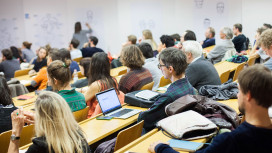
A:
(96, 130)
(26, 79)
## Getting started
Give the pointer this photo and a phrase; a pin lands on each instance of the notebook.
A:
(111, 106)
(181, 145)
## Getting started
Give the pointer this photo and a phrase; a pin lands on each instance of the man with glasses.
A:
(172, 63)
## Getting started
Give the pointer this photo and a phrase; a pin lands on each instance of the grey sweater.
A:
(82, 37)
(219, 51)
(9, 67)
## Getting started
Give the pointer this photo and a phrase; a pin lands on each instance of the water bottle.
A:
(75, 75)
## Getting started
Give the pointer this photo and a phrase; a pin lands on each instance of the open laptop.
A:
(111, 106)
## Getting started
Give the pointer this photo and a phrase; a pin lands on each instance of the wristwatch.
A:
(13, 137)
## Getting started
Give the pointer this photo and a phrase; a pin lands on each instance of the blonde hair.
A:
(148, 35)
(266, 38)
(132, 57)
(55, 121)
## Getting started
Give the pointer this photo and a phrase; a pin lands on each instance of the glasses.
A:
(160, 65)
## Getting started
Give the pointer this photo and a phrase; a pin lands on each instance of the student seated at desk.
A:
(219, 51)
(6, 106)
(99, 80)
(200, 71)
(9, 65)
(172, 63)
(56, 130)
(59, 77)
(84, 65)
(40, 61)
(137, 77)
(255, 133)
(40, 80)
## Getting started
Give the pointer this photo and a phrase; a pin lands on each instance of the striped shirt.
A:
(134, 80)
(75, 99)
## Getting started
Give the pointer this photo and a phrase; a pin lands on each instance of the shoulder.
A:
(39, 144)
(95, 86)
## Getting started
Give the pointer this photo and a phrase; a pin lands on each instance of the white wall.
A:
(52, 21)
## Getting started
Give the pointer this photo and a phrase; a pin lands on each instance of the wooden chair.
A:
(26, 136)
(238, 70)
(122, 72)
(251, 60)
(81, 114)
(164, 82)
(128, 135)
(21, 72)
(77, 59)
(224, 77)
(148, 86)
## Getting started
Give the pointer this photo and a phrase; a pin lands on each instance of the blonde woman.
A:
(56, 129)
(148, 38)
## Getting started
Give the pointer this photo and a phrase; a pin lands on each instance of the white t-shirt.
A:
(76, 53)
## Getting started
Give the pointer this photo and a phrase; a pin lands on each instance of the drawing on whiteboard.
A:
(220, 6)
(147, 24)
(207, 23)
(48, 28)
(199, 3)
(89, 15)
(50, 23)
(8, 33)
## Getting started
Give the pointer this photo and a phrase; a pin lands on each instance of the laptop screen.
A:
(108, 100)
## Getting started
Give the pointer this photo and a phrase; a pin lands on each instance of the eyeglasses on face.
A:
(160, 65)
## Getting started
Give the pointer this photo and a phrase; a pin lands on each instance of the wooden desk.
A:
(224, 66)
(114, 72)
(96, 130)
(25, 102)
(26, 79)
(207, 50)
(141, 144)
(233, 103)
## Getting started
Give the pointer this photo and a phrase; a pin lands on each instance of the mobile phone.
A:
(104, 118)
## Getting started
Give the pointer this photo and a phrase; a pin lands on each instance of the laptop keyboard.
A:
(120, 113)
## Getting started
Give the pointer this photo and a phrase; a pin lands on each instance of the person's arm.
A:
(39, 78)
(192, 75)
(122, 84)
(91, 91)
(89, 27)
(1, 67)
(215, 52)
(223, 143)
(17, 118)
(160, 147)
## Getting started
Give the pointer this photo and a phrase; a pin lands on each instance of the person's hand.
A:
(140, 40)
(151, 148)
(87, 24)
(85, 45)
(29, 117)
(17, 118)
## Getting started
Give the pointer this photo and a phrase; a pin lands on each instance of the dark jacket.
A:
(206, 107)
(5, 118)
(90, 51)
(228, 90)
(40, 145)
